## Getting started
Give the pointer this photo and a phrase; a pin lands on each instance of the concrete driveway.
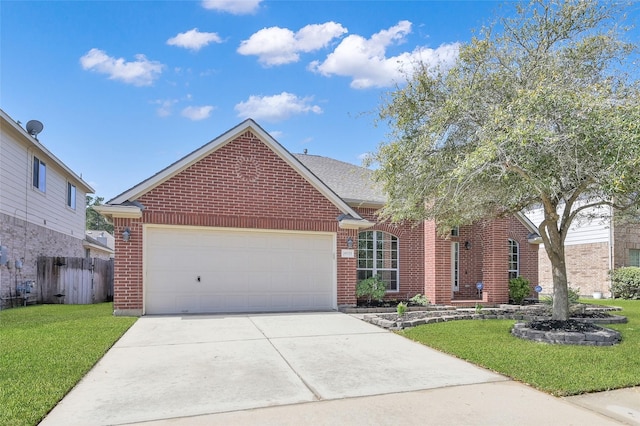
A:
(316, 368)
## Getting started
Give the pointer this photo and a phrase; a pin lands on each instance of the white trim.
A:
(127, 212)
(175, 168)
(355, 224)
(455, 266)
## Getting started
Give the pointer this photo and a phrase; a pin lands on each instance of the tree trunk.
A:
(555, 253)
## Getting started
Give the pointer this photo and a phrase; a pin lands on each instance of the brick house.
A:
(593, 247)
(243, 225)
(41, 207)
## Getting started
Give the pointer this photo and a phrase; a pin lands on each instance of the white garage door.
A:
(199, 270)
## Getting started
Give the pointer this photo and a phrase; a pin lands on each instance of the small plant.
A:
(401, 309)
(519, 288)
(420, 300)
(372, 288)
(573, 295)
(478, 308)
(625, 283)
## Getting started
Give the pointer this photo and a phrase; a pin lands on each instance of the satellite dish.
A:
(34, 127)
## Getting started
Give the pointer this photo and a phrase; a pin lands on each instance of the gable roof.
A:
(34, 143)
(126, 200)
(354, 184)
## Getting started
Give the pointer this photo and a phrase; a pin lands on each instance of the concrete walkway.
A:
(313, 368)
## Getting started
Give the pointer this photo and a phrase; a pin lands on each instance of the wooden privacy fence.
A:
(74, 280)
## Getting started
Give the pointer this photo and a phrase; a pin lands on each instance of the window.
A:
(39, 174)
(378, 255)
(455, 266)
(455, 232)
(514, 259)
(634, 257)
(71, 195)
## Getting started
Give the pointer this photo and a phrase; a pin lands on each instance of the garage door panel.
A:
(240, 271)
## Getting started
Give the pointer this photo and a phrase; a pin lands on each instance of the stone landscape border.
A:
(600, 337)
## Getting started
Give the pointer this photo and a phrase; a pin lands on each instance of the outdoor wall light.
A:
(467, 245)
(349, 242)
(126, 234)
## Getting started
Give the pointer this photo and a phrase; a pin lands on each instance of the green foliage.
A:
(401, 309)
(625, 283)
(372, 288)
(519, 288)
(479, 308)
(46, 350)
(94, 220)
(556, 369)
(573, 296)
(420, 300)
(541, 109)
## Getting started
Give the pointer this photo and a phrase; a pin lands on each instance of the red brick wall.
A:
(410, 254)
(242, 184)
(486, 260)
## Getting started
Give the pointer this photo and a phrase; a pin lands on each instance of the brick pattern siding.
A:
(587, 269)
(243, 184)
(410, 254)
(26, 241)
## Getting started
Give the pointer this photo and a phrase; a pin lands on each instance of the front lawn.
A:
(558, 369)
(45, 350)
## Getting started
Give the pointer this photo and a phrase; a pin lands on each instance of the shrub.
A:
(625, 283)
(372, 288)
(573, 295)
(420, 300)
(519, 288)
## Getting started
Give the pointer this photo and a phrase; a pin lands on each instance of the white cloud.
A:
(164, 108)
(278, 46)
(141, 72)
(276, 107)
(365, 60)
(197, 113)
(194, 39)
(276, 134)
(235, 7)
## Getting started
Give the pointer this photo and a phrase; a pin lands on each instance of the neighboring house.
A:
(593, 247)
(242, 225)
(99, 244)
(42, 207)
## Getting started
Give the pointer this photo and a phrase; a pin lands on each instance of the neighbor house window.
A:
(455, 266)
(378, 255)
(39, 174)
(71, 195)
(514, 259)
(634, 257)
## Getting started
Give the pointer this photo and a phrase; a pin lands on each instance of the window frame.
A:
(72, 193)
(372, 255)
(39, 178)
(514, 249)
(636, 254)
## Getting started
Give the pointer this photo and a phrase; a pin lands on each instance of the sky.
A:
(126, 88)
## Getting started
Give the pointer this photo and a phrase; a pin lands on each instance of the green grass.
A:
(557, 369)
(45, 350)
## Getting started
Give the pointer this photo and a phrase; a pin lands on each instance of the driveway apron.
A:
(168, 367)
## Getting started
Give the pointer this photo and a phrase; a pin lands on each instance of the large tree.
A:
(540, 109)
